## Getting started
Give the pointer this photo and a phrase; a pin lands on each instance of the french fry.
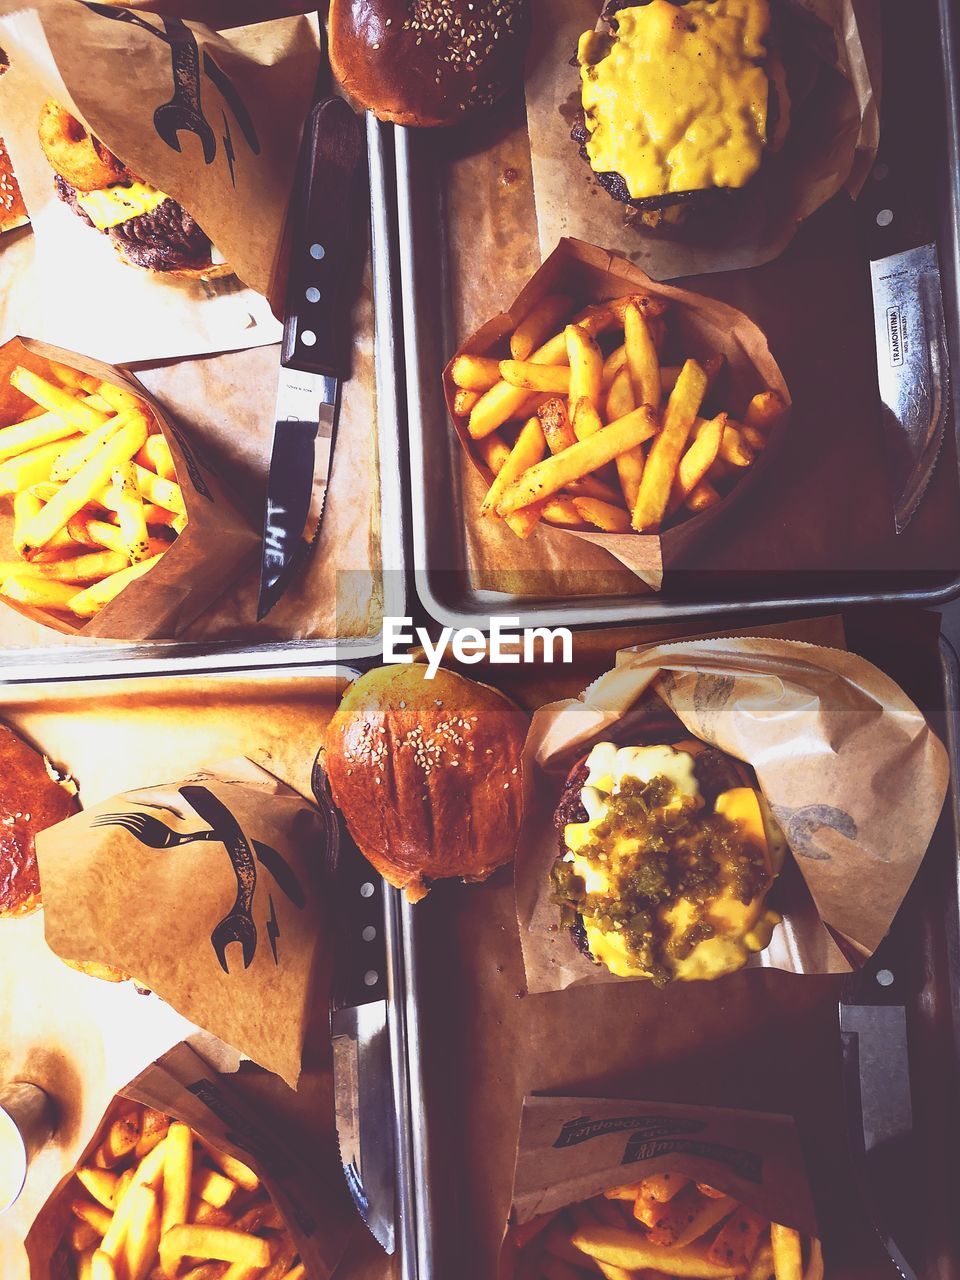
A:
(615, 1273)
(629, 1192)
(710, 1192)
(235, 1169)
(101, 1266)
(84, 1263)
(556, 1242)
(177, 1175)
(503, 402)
(697, 460)
(284, 1252)
(72, 569)
(26, 504)
(38, 592)
(70, 407)
(215, 1188)
(147, 1174)
(201, 1211)
(753, 436)
(21, 437)
(736, 1241)
(765, 410)
(603, 514)
(586, 366)
(665, 452)
(555, 473)
(703, 497)
(130, 513)
(141, 1240)
(787, 1252)
(620, 402)
(557, 427)
(123, 1183)
(662, 1187)
(761, 1264)
(711, 1211)
(101, 1184)
(122, 400)
(190, 1240)
(82, 1236)
(602, 316)
(586, 419)
(559, 511)
(645, 1211)
(80, 488)
(614, 363)
(463, 401)
(475, 373)
(30, 468)
(494, 451)
(642, 359)
(733, 448)
(95, 1215)
(538, 324)
(69, 462)
(163, 493)
(528, 449)
(633, 1252)
(673, 1218)
(155, 1124)
(122, 1137)
(68, 377)
(524, 374)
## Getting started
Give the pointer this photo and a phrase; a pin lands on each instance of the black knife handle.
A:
(328, 236)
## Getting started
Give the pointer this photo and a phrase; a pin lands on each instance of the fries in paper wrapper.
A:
(244, 1179)
(652, 480)
(211, 888)
(110, 524)
(835, 744)
(683, 1162)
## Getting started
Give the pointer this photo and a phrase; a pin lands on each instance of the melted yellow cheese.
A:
(110, 206)
(677, 99)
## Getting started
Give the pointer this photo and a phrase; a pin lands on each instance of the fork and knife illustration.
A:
(238, 924)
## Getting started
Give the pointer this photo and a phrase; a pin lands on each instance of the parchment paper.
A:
(78, 293)
(836, 746)
(834, 76)
(697, 326)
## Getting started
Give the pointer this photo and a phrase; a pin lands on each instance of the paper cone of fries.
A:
(712, 460)
(110, 523)
(697, 1191)
(181, 1130)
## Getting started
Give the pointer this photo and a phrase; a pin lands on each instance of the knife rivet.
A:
(885, 977)
(308, 337)
(369, 933)
(884, 217)
(317, 251)
(371, 977)
(312, 294)
(366, 890)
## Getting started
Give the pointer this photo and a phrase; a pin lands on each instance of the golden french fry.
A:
(82, 1236)
(88, 603)
(696, 461)
(765, 410)
(80, 488)
(463, 401)
(612, 366)
(549, 378)
(30, 468)
(177, 1175)
(130, 513)
(95, 1215)
(71, 378)
(70, 407)
(586, 419)
(155, 1124)
(628, 1192)
(123, 400)
(213, 1187)
(555, 473)
(761, 1264)
(84, 1261)
(712, 1210)
(615, 1273)
(604, 515)
(645, 1211)
(494, 451)
(620, 402)
(284, 1253)
(661, 1187)
(123, 1183)
(503, 402)
(642, 359)
(787, 1252)
(201, 1211)
(586, 366)
(633, 1252)
(26, 504)
(124, 1134)
(602, 316)
(733, 448)
(190, 1240)
(75, 455)
(753, 436)
(161, 492)
(559, 511)
(475, 373)
(147, 1174)
(703, 497)
(557, 427)
(38, 592)
(235, 1169)
(101, 1266)
(528, 449)
(736, 1241)
(665, 452)
(101, 1184)
(538, 324)
(21, 437)
(141, 1240)
(710, 1192)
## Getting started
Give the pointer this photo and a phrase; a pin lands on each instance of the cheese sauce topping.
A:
(677, 99)
(110, 206)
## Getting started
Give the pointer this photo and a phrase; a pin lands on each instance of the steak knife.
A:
(362, 1067)
(326, 234)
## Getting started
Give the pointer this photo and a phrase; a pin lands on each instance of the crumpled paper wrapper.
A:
(181, 1085)
(696, 326)
(228, 927)
(572, 1149)
(200, 564)
(836, 747)
(832, 54)
(254, 86)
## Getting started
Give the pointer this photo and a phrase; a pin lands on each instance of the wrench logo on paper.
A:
(184, 112)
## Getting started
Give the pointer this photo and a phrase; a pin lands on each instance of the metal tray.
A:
(144, 695)
(110, 658)
(822, 266)
(778, 1047)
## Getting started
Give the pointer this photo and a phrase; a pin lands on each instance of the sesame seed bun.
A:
(427, 774)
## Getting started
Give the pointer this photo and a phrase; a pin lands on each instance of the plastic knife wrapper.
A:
(362, 1075)
(327, 239)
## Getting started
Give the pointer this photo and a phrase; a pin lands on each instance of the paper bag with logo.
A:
(210, 892)
(697, 327)
(210, 120)
(836, 746)
(194, 568)
(311, 1199)
(573, 1149)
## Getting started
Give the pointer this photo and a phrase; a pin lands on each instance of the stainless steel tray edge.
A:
(109, 659)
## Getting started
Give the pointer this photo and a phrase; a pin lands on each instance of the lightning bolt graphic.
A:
(228, 147)
(273, 930)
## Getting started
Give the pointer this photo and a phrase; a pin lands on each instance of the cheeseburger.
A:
(680, 100)
(148, 228)
(666, 856)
